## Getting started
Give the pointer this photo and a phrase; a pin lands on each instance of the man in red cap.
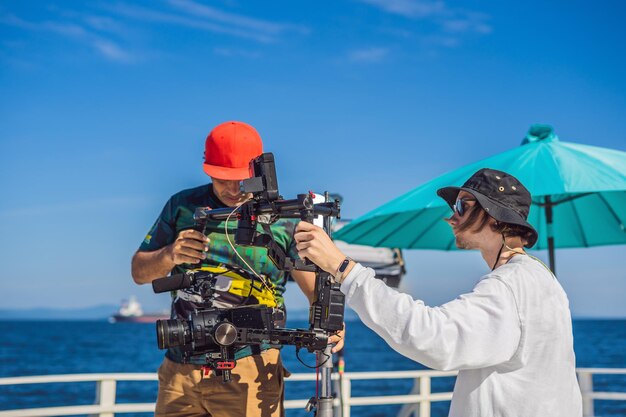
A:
(172, 245)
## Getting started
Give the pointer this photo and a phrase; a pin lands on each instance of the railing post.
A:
(346, 393)
(105, 395)
(585, 381)
(425, 393)
(412, 409)
(342, 391)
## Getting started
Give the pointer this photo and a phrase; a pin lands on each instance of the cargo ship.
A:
(131, 312)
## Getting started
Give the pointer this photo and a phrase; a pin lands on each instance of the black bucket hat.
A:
(501, 195)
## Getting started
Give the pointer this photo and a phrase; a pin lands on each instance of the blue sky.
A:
(105, 107)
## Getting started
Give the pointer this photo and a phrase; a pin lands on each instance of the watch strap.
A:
(339, 275)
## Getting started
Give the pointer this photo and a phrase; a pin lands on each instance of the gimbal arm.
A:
(288, 209)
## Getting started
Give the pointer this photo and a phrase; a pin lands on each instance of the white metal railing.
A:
(585, 380)
(417, 402)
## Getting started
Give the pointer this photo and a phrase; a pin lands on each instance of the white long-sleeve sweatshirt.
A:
(510, 338)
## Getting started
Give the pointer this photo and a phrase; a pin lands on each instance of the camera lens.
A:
(171, 333)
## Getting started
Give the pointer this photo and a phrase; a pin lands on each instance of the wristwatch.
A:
(342, 269)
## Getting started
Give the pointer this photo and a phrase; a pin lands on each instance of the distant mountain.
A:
(100, 312)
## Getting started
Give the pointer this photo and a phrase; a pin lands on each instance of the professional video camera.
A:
(216, 332)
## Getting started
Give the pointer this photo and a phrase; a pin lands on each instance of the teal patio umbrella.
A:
(579, 199)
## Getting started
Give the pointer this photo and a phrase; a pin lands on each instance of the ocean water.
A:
(66, 347)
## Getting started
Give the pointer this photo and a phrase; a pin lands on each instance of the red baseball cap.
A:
(228, 150)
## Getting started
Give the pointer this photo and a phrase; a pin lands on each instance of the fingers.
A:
(184, 259)
(338, 346)
(191, 241)
(303, 245)
(307, 235)
(313, 243)
(307, 232)
(194, 235)
(305, 227)
(187, 255)
(189, 247)
(338, 339)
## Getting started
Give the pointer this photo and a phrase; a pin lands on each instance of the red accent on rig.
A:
(225, 365)
(312, 194)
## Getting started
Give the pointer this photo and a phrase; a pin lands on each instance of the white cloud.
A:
(149, 15)
(108, 33)
(198, 16)
(262, 26)
(105, 24)
(448, 20)
(368, 55)
(410, 8)
(110, 50)
(105, 47)
(65, 29)
(467, 22)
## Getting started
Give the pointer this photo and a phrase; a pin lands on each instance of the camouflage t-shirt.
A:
(228, 281)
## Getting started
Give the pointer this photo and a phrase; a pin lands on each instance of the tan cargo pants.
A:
(256, 389)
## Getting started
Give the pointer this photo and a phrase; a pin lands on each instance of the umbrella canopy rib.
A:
(423, 232)
(359, 230)
(603, 169)
(561, 201)
(580, 226)
(613, 213)
(399, 227)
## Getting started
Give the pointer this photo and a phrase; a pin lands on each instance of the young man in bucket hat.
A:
(172, 245)
(510, 337)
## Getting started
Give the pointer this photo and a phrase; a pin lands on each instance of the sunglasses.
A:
(460, 205)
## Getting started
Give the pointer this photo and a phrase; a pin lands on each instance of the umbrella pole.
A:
(548, 207)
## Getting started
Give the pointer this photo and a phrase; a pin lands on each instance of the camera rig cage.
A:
(216, 332)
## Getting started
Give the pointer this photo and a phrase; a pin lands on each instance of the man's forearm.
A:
(306, 282)
(148, 266)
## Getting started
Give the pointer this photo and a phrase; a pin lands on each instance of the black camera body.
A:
(216, 333)
(204, 331)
